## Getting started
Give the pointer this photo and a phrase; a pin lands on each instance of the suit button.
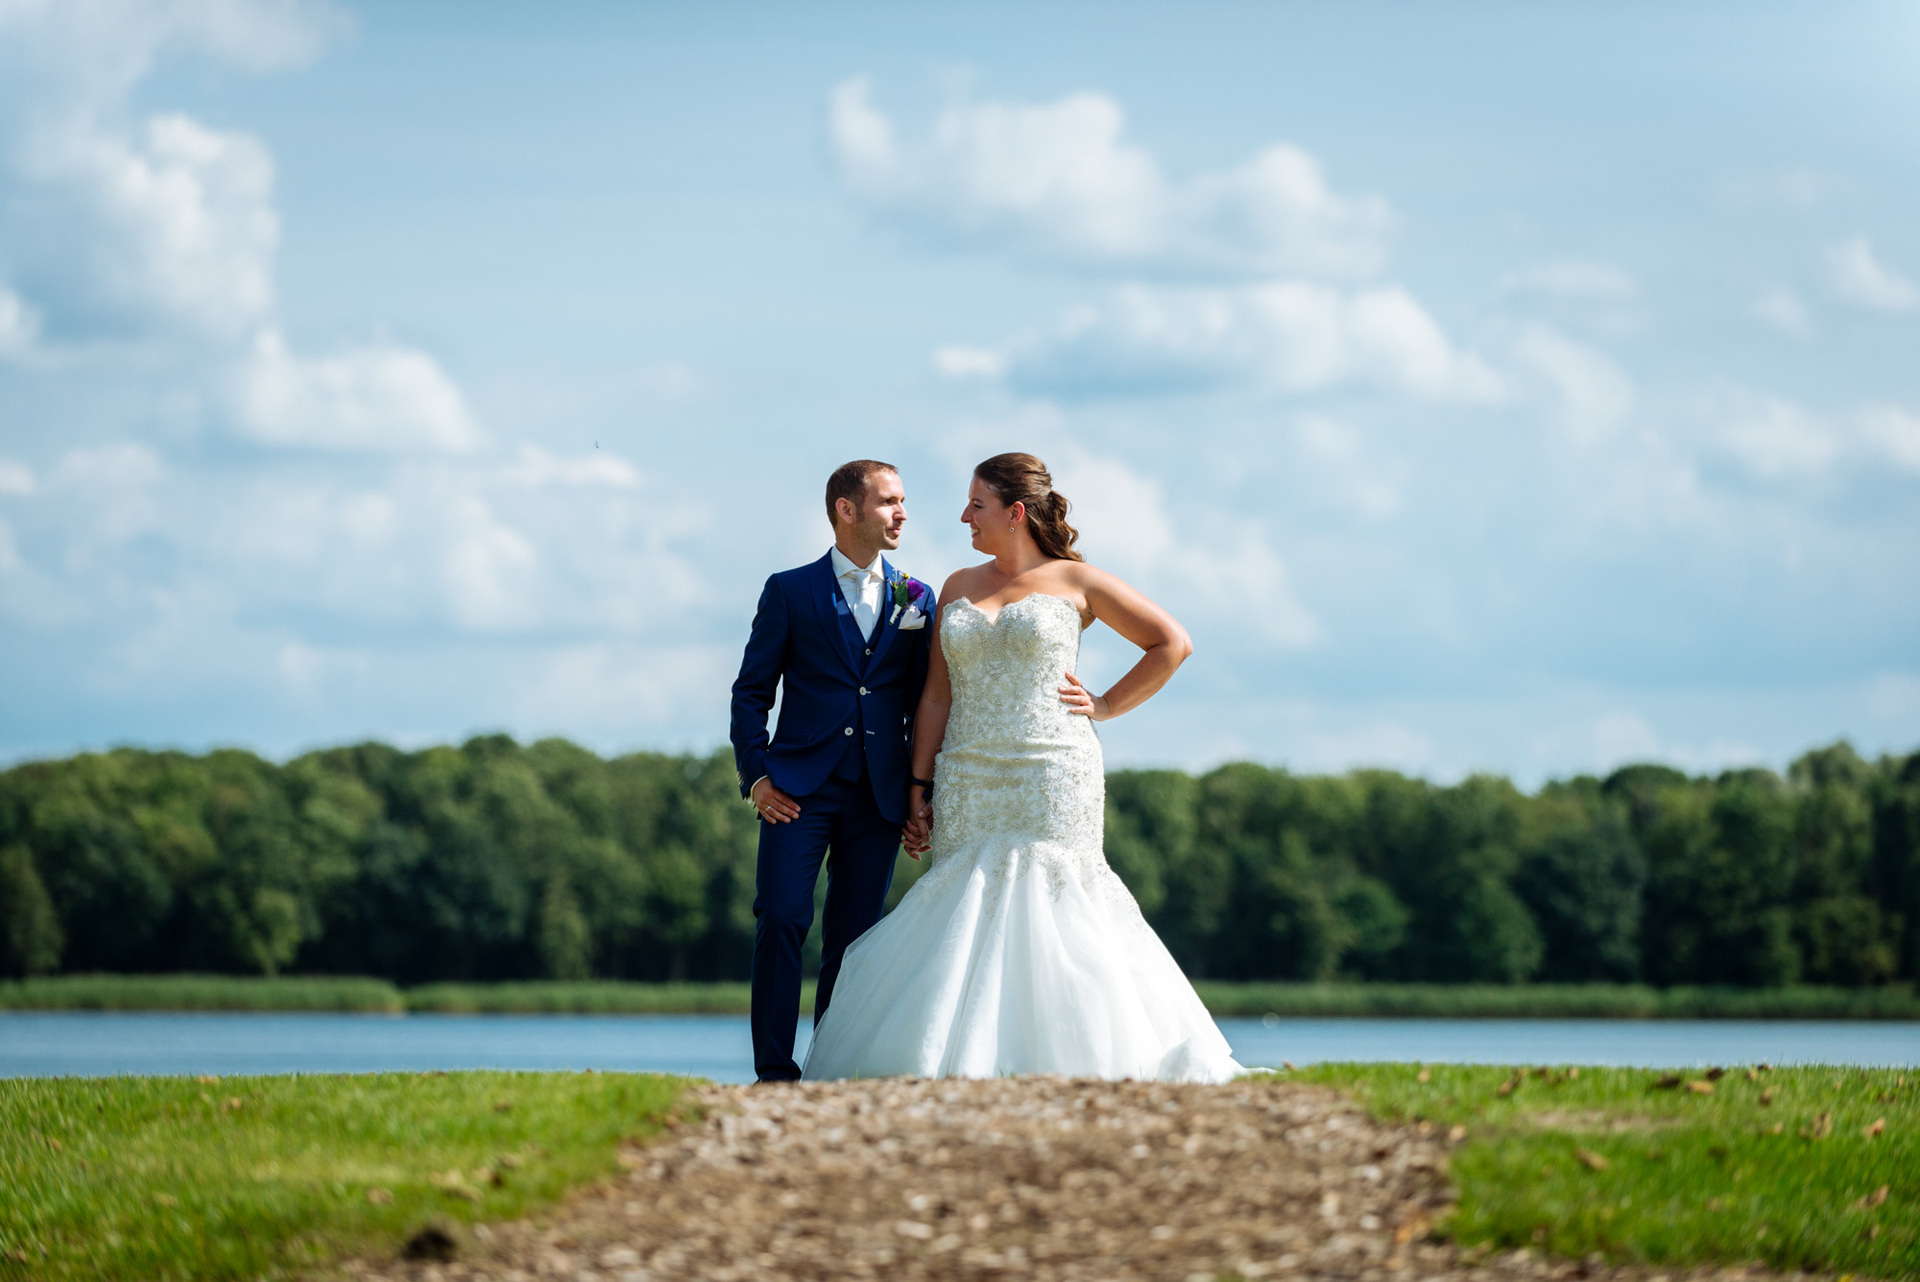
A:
(869, 649)
(848, 730)
(863, 689)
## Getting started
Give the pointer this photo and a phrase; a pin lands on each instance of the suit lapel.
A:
(835, 618)
(884, 628)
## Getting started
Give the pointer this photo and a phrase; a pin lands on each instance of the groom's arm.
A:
(753, 690)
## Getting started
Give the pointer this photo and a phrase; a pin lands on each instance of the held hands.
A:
(774, 806)
(917, 837)
(1082, 702)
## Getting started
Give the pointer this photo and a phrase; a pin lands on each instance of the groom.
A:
(847, 638)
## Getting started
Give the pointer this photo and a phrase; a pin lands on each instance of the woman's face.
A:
(986, 516)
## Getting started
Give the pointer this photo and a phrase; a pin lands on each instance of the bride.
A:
(1020, 950)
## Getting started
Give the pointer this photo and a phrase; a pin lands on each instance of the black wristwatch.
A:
(924, 783)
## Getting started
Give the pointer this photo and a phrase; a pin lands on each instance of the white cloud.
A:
(174, 227)
(165, 230)
(1798, 188)
(112, 492)
(118, 467)
(19, 326)
(144, 226)
(455, 545)
(1219, 566)
(378, 398)
(1617, 738)
(1383, 745)
(611, 687)
(1060, 180)
(1894, 433)
(488, 566)
(537, 468)
(956, 361)
(1776, 439)
(1620, 737)
(306, 667)
(107, 44)
(16, 479)
(1594, 282)
(1595, 394)
(1344, 466)
(1894, 696)
(1289, 336)
(1858, 276)
(1782, 309)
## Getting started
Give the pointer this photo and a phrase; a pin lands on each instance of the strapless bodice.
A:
(1007, 670)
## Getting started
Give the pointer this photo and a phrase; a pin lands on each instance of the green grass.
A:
(1674, 1178)
(611, 997)
(264, 1176)
(200, 992)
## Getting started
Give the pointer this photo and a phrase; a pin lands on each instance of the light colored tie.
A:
(864, 599)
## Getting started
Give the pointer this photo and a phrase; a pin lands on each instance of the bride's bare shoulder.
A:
(1076, 578)
(963, 582)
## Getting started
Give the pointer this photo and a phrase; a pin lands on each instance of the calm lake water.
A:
(86, 1044)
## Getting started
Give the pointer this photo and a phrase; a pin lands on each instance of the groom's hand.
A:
(917, 837)
(775, 807)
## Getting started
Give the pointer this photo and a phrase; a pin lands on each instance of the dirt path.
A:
(1019, 1178)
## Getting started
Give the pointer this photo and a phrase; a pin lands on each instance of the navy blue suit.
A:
(842, 751)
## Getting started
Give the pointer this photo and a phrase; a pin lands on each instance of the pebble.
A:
(1039, 1178)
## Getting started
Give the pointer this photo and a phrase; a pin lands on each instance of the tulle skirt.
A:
(1007, 960)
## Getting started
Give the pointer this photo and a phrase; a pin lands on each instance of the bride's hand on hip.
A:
(1082, 702)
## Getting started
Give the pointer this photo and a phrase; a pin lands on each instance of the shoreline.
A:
(315, 994)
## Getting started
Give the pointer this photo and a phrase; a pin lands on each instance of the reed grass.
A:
(1555, 1001)
(591, 997)
(177, 1178)
(1805, 1168)
(1288, 1001)
(201, 992)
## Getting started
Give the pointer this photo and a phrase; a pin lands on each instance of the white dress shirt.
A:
(861, 586)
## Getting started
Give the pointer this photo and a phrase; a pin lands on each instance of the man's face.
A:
(883, 512)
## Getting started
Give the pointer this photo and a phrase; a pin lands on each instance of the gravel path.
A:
(1018, 1178)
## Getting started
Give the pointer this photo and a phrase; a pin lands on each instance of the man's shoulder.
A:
(797, 575)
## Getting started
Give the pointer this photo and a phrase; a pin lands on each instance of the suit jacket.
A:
(839, 691)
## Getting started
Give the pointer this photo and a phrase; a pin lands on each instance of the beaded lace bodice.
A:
(1018, 776)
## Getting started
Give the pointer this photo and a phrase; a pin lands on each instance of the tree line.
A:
(495, 860)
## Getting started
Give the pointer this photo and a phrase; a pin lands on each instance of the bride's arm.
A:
(1128, 612)
(929, 732)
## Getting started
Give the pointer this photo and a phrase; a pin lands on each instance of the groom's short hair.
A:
(849, 481)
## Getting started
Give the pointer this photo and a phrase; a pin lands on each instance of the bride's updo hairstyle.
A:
(1022, 478)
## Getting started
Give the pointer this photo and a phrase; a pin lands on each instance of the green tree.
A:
(563, 939)
(1896, 855)
(1842, 933)
(1582, 876)
(30, 935)
(1453, 853)
(1720, 876)
(1150, 825)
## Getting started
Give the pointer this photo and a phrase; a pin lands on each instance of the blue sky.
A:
(1487, 386)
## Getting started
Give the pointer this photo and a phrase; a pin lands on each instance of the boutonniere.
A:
(910, 598)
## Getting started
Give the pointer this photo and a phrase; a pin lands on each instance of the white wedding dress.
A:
(1019, 950)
